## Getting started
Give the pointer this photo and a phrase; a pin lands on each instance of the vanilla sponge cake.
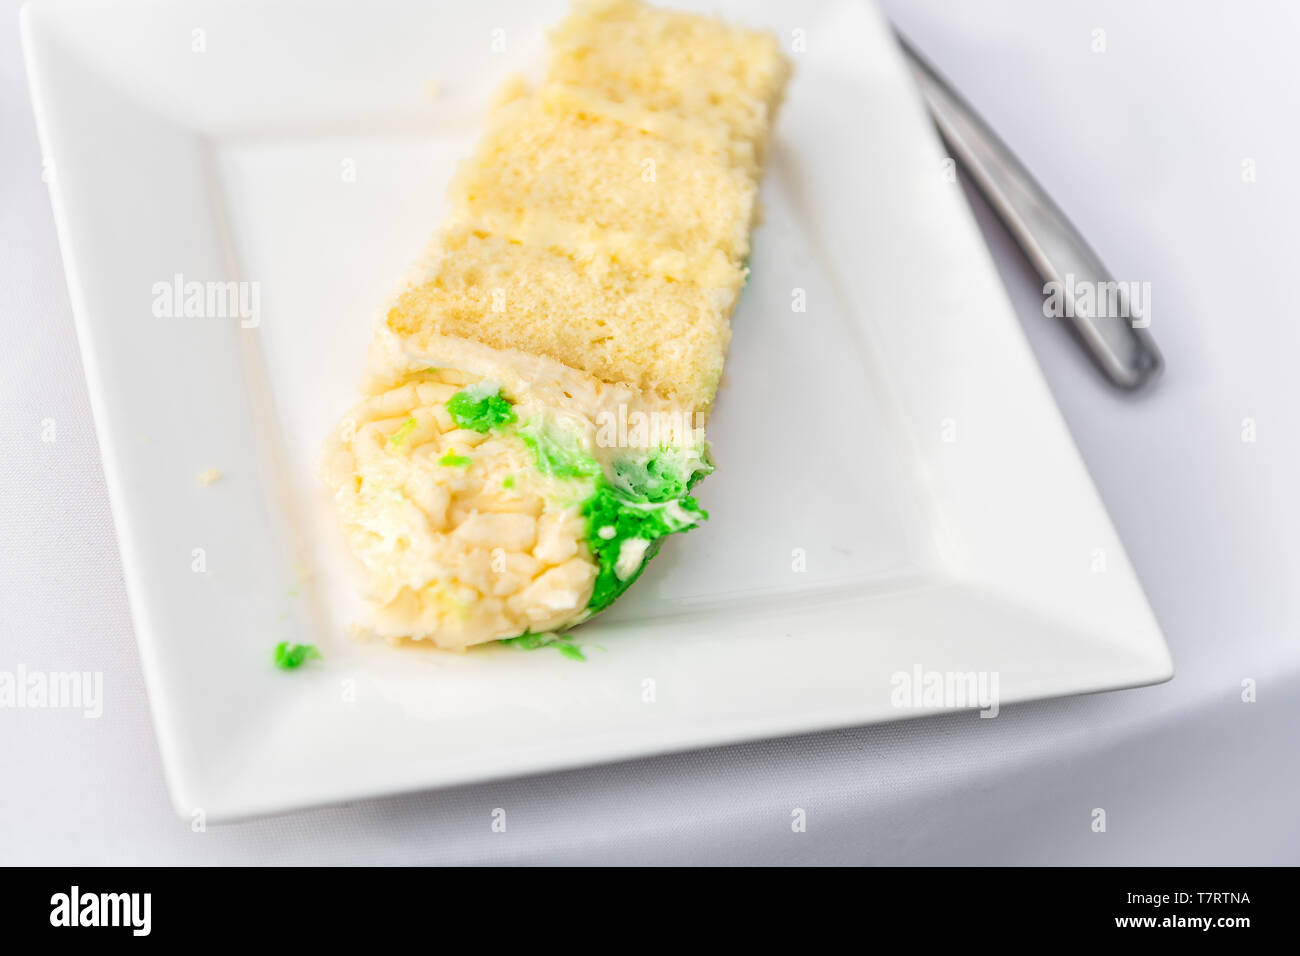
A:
(694, 67)
(532, 424)
(711, 139)
(545, 163)
(611, 249)
(579, 306)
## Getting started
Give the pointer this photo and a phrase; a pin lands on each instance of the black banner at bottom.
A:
(218, 905)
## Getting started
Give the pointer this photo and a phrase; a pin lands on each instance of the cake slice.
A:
(533, 420)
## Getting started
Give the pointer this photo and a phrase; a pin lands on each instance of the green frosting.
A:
(558, 455)
(666, 474)
(480, 408)
(646, 499)
(643, 498)
(631, 517)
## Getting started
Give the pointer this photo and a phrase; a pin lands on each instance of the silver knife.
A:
(1118, 342)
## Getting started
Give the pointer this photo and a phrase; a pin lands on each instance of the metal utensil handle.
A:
(1100, 308)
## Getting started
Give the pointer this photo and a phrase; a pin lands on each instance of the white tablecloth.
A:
(1144, 144)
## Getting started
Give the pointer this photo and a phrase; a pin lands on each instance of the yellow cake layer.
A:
(696, 67)
(604, 220)
(543, 163)
(715, 140)
(592, 314)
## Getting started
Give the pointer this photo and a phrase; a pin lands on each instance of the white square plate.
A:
(896, 487)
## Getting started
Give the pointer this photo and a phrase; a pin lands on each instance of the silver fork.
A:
(1123, 349)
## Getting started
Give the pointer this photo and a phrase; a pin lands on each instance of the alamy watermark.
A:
(190, 299)
(958, 690)
(131, 911)
(622, 428)
(24, 689)
(1106, 300)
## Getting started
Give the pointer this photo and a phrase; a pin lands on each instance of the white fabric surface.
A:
(1143, 146)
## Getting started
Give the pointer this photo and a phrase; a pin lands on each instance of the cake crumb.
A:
(209, 475)
(515, 87)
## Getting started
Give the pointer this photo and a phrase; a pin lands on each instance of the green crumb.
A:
(452, 460)
(508, 482)
(529, 641)
(479, 409)
(572, 651)
(403, 432)
(290, 657)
